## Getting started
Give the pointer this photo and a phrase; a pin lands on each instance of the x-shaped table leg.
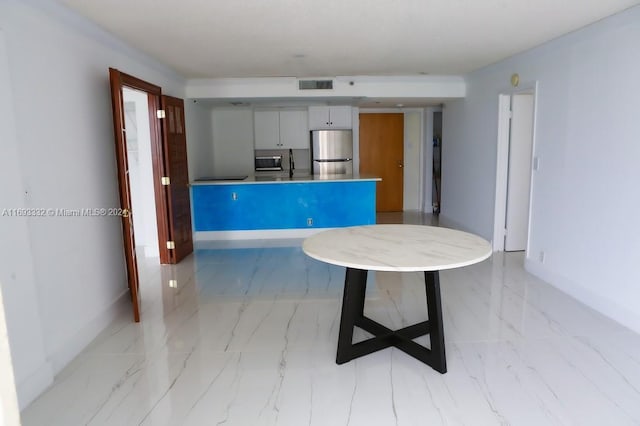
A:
(353, 316)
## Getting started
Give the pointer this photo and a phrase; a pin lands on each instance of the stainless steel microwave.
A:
(268, 163)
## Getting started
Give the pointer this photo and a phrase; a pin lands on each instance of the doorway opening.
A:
(140, 164)
(152, 175)
(437, 162)
(514, 169)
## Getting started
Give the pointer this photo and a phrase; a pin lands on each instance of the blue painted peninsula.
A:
(299, 205)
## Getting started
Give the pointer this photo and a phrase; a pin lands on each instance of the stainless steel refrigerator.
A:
(332, 152)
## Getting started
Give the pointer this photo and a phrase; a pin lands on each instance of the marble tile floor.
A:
(249, 336)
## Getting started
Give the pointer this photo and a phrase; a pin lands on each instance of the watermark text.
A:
(63, 212)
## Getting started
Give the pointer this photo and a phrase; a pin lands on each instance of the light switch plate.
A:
(536, 163)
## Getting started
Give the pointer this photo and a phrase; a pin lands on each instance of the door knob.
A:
(400, 164)
(125, 212)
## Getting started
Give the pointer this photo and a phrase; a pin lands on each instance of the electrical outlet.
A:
(309, 221)
(173, 283)
(541, 257)
(234, 196)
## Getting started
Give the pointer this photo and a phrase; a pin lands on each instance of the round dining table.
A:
(400, 248)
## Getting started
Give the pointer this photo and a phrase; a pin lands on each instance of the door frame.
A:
(427, 158)
(502, 161)
(154, 95)
(118, 81)
(424, 155)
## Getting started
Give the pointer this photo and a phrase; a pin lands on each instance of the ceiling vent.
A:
(315, 84)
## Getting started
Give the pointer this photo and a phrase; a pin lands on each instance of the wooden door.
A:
(175, 161)
(125, 189)
(382, 154)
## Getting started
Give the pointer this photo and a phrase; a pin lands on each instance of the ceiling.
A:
(304, 38)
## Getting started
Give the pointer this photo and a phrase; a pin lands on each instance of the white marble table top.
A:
(397, 248)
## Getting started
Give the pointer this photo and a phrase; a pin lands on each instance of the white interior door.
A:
(519, 172)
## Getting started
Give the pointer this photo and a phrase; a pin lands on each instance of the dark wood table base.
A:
(353, 316)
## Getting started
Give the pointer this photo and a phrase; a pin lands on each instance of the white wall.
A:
(233, 147)
(18, 289)
(199, 139)
(66, 275)
(17, 273)
(9, 413)
(585, 201)
(412, 160)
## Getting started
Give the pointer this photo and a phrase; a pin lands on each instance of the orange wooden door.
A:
(382, 154)
(175, 161)
(125, 189)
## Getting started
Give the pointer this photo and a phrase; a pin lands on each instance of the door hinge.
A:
(160, 113)
(171, 245)
(510, 114)
(165, 180)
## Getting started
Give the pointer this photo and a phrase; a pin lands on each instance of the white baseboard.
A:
(62, 355)
(597, 302)
(260, 234)
(31, 387)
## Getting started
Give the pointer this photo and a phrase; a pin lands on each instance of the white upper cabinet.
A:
(329, 117)
(294, 129)
(267, 129)
(281, 129)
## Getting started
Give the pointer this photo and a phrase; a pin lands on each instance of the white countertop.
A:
(284, 178)
(397, 248)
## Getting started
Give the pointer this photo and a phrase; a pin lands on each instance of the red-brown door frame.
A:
(154, 94)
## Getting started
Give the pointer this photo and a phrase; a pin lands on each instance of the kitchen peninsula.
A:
(281, 206)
